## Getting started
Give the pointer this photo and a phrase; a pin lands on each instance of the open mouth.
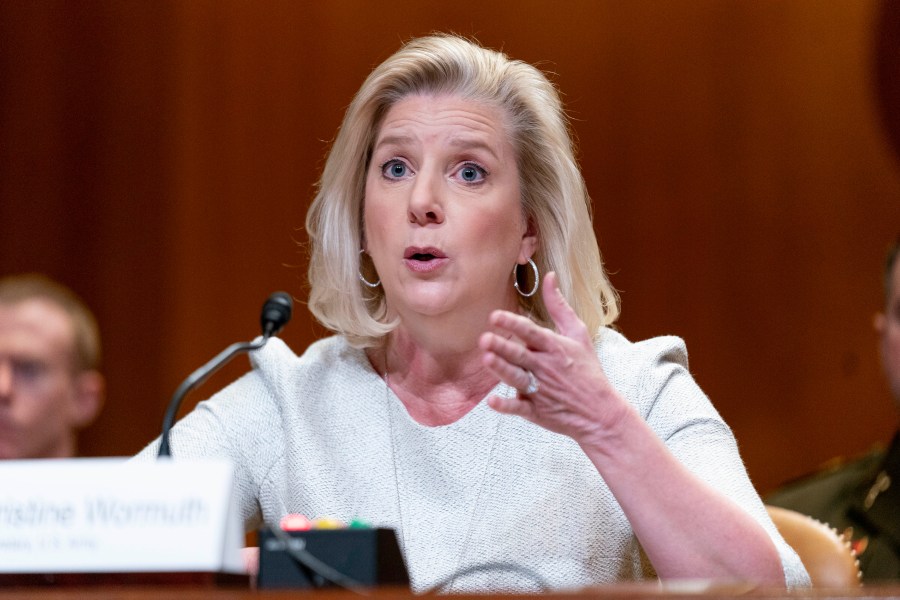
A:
(423, 254)
(424, 259)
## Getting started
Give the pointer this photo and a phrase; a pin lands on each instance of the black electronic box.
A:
(367, 557)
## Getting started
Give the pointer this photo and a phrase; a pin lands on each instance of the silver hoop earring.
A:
(363, 279)
(537, 280)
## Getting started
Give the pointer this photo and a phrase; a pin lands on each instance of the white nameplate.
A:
(112, 516)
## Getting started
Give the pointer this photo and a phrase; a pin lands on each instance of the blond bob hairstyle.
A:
(554, 197)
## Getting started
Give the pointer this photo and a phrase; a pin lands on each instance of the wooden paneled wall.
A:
(159, 158)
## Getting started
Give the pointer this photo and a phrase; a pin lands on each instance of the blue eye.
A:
(394, 169)
(471, 173)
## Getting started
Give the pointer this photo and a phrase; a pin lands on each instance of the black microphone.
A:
(276, 312)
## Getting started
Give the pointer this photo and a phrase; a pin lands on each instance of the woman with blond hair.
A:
(474, 396)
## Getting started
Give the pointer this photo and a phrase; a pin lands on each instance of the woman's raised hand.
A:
(562, 385)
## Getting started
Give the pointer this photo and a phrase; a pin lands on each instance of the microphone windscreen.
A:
(276, 312)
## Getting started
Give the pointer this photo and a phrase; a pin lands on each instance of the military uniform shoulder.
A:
(861, 463)
(835, 479)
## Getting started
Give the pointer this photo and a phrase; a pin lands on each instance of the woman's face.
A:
(443, 219)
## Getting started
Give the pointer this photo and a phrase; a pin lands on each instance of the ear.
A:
(529, 243)
(879, 323)
(90, 391)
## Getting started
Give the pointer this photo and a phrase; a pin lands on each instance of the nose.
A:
(425, 202)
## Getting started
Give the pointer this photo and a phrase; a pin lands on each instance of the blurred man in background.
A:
(50, 385)
(862, 498)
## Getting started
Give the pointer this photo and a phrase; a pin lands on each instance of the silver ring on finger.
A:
(533, 384)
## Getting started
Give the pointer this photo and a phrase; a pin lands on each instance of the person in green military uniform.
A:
(862, 498)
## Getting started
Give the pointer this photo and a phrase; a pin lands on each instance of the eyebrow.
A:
(469, 143)
(458, 142)
(393, 140)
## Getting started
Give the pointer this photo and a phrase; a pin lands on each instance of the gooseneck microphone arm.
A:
(195, 379)
(276, 312)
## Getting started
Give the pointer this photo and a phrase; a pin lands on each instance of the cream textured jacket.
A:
(510, 503)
